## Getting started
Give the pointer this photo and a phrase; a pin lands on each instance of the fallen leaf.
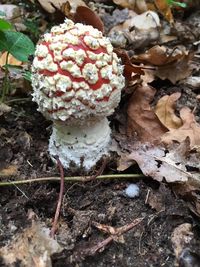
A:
(85, 15)
(190, 128)
(8, 171)
(181, 237)
(165, 111)
(131, 71)
(155, 201)
(172, 64)
(66, 6)
(137, 5)
(141, 118)
(160, 55)
(164, 9)
(162, 164)
(176, 71)
(137, 31)
(32, 247)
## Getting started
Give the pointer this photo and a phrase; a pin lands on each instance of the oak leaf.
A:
(141, 117)
(165, 111)
(190, 128)
(161, 164)
(172, 64)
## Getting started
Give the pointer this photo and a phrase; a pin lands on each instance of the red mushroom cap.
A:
(76, 74)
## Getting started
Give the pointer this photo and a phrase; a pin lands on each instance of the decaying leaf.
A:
(137, 31)
(137, 5)
(176, 71)
(131, 71)
(165, 111)
(190, 128)
(165, 10)
(163, 164)
(32, 247)
(8, 171)
(141, 118)
(155, 201)
(160, 55)
(172, 64)
(181, 237)
(64, 5)
(85, 15)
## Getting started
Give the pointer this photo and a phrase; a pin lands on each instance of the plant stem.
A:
(18, 100)
(6, 85)
(73, 179)
(60, 199)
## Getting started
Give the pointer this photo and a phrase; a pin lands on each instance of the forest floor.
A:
(160, 226)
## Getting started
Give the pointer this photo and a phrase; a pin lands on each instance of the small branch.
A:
(99, 172)
(117, 233)
(60, 199)
(72, 179)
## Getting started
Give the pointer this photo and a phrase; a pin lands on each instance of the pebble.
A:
(132, 191)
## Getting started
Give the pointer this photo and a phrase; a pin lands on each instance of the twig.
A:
(72, 178)
(99, 172)
(118, 232)
(60, 199)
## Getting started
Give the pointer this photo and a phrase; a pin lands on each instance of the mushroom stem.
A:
(82, 144)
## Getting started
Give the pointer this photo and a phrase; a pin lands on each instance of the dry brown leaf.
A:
(85, 15)
(164, 9)
(131, 71)
(137, 5)
(9, 171)
(160, 55)
(176, 71)
(173, 64)
(165, 111)
(161, 164)
(181, 237)
(66, 6)
(11, 60)
(141, 118)
(32, 247)
(155, 201)
(190, 128)
(137, 31)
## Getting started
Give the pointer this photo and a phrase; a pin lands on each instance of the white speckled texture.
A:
(86, 144)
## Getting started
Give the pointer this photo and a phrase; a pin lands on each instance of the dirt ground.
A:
(24, 142)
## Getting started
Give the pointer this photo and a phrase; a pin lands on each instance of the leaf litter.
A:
(158, 131)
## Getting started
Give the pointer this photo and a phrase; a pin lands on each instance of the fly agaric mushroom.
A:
(77, 81)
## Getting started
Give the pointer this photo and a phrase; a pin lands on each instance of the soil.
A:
(24, 142)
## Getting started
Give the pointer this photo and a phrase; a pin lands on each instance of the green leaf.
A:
(176, 3)
(4, 25)
(27, 75)
(17, 44)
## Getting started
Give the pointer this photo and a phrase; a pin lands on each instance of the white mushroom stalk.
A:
(77, 81)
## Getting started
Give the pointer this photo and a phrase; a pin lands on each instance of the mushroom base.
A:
(83, 145)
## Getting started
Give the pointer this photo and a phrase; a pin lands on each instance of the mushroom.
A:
(77, 81)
